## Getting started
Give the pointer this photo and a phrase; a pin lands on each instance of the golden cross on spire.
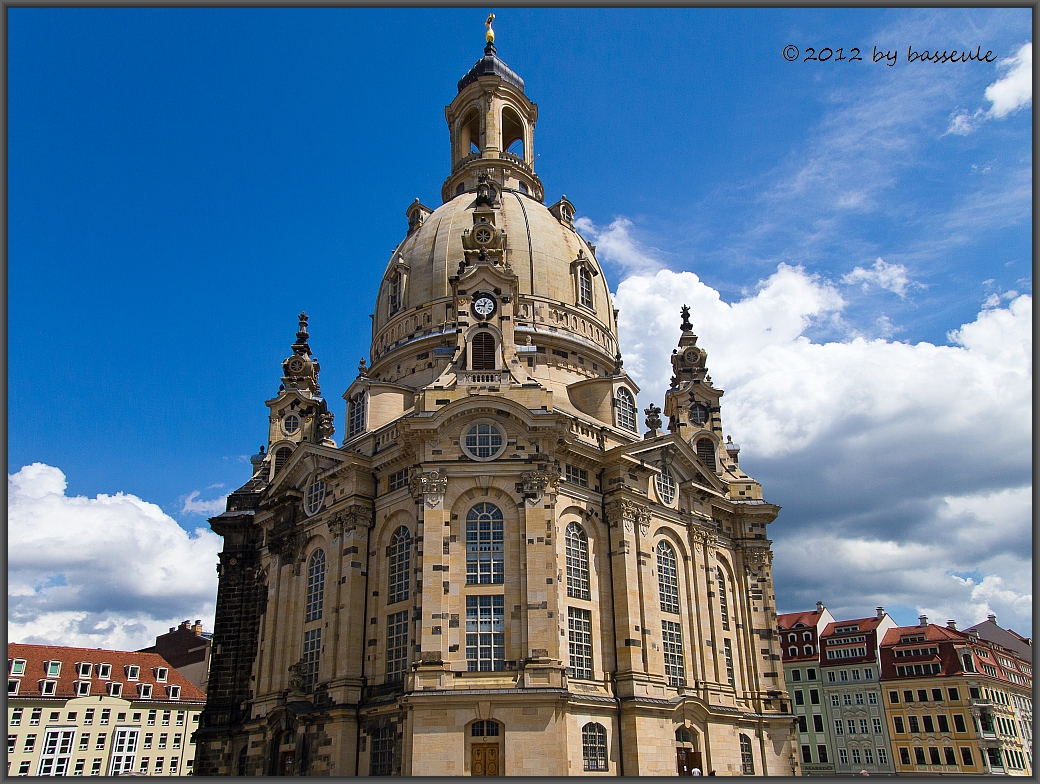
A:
(490, 33)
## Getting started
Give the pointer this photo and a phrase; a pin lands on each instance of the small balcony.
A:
(479, 378)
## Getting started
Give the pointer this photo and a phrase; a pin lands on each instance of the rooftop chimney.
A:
(923, 619)
(991, 617)
(951, 625)
(819, 607)
(880, 612)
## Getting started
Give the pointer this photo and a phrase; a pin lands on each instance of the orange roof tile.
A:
(36, 655)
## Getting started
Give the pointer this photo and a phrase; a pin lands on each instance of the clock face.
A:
(484, 306)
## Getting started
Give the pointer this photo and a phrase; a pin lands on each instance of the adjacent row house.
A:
(91, 712)
(872, 696)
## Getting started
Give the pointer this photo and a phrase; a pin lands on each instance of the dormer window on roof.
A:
(161, 673)
(84, 669)
(133, 672)
(17, 667)
(842, 629)
(52, 669)
(104, 671)
(144, 691)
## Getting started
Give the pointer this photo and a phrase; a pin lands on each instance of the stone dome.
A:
(541, 249)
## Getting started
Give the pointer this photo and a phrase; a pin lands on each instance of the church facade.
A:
(494, 572)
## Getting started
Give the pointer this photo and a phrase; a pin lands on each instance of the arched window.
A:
(808, 650)
(584, 287)
(482, 351)
(484, 560)
(666, 486)
(577, 562)
(356, 414)
(399, 554)
(281, 457)
(393, 293)
(512, 132)
(594, 747)
(683, 735)
(667, 577)
(747, 762)
(723, 604)
(626, 409)
(485, 729)
(706, 452)
(315, 585)
(793, 652)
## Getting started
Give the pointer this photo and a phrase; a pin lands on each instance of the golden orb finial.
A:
(490, 33)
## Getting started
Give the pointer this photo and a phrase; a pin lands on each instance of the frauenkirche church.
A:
(495, 573)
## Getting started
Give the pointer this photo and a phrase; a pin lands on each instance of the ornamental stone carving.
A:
(756, 558)
(630, 514)
(429, 486)
(349, 519)
(533, 484)
(709, 540)
(288, 548)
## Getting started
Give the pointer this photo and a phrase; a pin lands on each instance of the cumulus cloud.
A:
(891, 277)
(1016, 89)
(1006, 95)
(904, 469)
(105, 572)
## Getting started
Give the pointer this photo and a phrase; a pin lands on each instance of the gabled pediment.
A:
(679, 456)
(306, 461)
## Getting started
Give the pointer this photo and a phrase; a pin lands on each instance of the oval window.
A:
(315, 497)
(666, 487)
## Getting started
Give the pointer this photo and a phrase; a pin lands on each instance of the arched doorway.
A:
(485, 748)
(687, 754)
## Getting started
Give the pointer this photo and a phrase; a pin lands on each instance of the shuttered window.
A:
(483, 351)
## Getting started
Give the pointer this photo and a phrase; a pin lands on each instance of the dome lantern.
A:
(491, 127)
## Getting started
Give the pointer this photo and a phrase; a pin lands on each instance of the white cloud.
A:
(108, 572)
(1015, 90)
(888, 457)
(891, 277)
(1006, 95)
(193, 506)
(616, 245)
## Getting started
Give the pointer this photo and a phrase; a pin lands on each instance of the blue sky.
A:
(183, 182)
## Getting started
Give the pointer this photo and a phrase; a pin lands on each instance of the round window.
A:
(314, 498)
(666, 487)
(295, 364)
(484, 441)
(291, 424)
(483, 235)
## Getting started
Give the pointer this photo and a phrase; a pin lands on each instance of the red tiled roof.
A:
(932, 633)
(36, 655)
(865, 625)
(790, 620)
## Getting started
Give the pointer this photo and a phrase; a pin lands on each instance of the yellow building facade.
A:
(495, 572)
(949, 709)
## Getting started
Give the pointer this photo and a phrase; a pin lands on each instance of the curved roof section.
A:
(490, 65)
(540, 249)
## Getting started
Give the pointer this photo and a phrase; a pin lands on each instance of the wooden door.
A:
(484, 760)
